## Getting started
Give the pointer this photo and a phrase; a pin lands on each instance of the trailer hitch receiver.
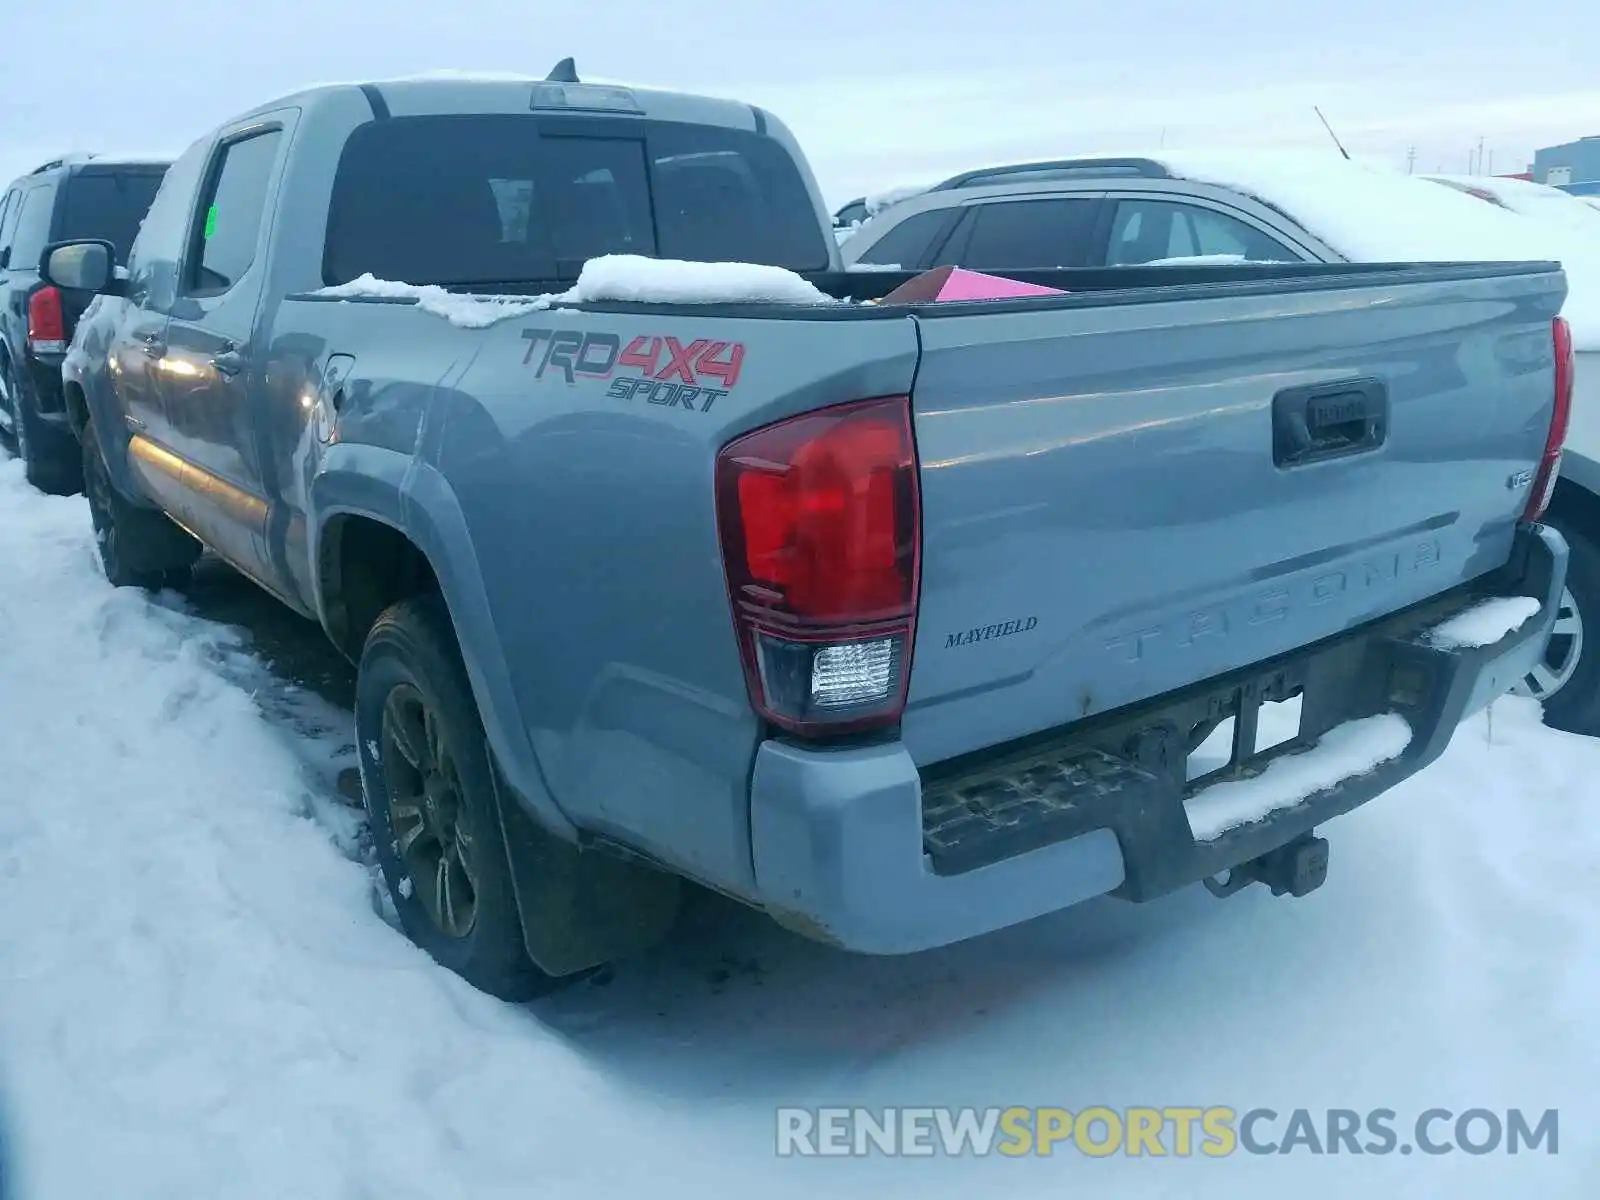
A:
(1296, 869)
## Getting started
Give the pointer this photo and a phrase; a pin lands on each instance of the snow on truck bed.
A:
(199, 996)
(622, 277)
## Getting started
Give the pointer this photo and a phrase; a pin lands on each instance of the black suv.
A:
(67, 198)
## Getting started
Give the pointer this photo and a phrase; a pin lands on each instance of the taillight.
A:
(47, 326)
(819, 518)
(1544, 481)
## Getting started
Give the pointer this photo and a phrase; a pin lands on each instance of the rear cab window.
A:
(505, 199)
(107, 203)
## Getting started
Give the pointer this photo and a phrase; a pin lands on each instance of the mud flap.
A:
(580, 908)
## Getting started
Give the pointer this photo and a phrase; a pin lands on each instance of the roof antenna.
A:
(565, 71)
(1325, 125)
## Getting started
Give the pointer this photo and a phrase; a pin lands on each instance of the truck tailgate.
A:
(1137, 493)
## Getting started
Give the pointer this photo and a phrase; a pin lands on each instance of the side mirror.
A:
(87, 266)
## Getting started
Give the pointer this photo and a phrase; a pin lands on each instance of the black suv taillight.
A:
(47, 325)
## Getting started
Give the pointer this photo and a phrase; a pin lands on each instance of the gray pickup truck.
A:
(897, 621)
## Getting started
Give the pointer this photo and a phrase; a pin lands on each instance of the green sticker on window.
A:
(211, 222)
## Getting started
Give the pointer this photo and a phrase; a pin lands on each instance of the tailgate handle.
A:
(1329, 420)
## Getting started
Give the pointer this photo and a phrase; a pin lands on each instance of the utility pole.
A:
(1411, 159)
(1479, 170)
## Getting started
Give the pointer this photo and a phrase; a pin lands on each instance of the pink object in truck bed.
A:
(953, 283)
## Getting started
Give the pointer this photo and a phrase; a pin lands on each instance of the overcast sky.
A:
(878, 91)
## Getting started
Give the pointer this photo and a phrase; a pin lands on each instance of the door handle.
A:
(1330, 420)
(228, 362)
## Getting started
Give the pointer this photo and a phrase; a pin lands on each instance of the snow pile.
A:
(467, 312)
(198, 996)
(1484, 624)
(879, 201)
(1370, 213)
(1190, 260)
(633, 277)
(1353, 748)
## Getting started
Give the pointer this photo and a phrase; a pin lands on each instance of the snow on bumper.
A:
(859, 848)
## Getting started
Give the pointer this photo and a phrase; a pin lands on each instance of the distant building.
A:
(1575, 162)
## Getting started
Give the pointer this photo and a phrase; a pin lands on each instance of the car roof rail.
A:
(565, 71)
(1060, 168)
(65, 160)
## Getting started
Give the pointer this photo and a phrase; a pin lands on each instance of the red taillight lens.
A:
(47, 325)
(820, 526)
(1544, 480)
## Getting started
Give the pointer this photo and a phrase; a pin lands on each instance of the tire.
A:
(429, 790)
(50, 458)
(139, 547)
(1567, 682)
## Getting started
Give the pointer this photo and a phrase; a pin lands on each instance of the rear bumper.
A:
(857, 848)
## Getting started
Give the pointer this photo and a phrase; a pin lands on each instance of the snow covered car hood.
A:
(1371, 213)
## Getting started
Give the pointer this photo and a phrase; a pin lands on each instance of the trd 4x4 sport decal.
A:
(659, 370)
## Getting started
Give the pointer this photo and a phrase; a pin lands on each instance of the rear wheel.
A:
(430, 797)
(1567, 679)
(139, 547)
(49, 455)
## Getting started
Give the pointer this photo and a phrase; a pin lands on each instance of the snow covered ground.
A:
(200, 994)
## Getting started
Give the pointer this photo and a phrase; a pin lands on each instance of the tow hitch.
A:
(1295, 869)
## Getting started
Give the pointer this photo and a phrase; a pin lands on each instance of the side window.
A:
(229, 218)
(32, 232)
(909, 242)
(1148, 231)
(1037, 234)
(8, 209)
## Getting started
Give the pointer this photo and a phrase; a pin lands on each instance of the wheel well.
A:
(366, 567)
(77, 408)
(1576, 506)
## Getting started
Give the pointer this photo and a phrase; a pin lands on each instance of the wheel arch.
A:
(1577, 497)
(77, 402)
(385, 526)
